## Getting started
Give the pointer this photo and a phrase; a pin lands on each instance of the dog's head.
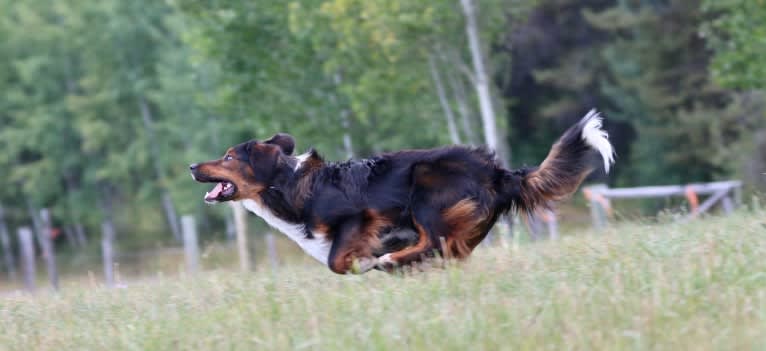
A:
(245, 169)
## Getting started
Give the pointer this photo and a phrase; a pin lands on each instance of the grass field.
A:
(694, 286)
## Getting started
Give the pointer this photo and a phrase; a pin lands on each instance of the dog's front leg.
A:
(353, 241)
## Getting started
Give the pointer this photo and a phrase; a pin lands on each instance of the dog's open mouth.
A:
(223, 190)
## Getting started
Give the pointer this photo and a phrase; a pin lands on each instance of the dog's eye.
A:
(228, 157)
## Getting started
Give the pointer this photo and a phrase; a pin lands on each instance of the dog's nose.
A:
(193, 166)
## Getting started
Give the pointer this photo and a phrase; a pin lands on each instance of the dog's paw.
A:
(387, 262)
(362, 265)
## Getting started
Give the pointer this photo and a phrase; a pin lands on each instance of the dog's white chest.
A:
(318, 247)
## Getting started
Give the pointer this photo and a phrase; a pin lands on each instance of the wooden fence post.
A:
(272, 248)
(738, 195)
(231, 231)
(27, 251)
(5, 241)
(191, 247)
(597, 211)
(240, 223)
(553, 225)
(107, 250)
(727, 204)
(534, 227)
(49, 252)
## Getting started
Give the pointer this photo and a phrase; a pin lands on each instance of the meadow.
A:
(697, 285)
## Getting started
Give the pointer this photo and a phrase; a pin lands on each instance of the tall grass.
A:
(700, 285)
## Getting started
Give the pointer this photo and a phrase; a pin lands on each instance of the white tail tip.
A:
(597, 138)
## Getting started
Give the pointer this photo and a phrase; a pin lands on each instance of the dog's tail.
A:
(565, 167)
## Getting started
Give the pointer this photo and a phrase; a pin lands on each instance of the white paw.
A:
(363, 265)
(386, 260)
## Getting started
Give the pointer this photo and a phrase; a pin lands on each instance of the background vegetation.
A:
(103, 104)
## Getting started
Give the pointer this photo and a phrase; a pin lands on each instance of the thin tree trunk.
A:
(167, 202)
(68, 231)
(348, 147)
(5, 240)
(345, 120)
(481, 80)
(451, 127)
(170, 213)
(461, 100)
(76, 232)
(49, 252)
(79, 232)
(36, 225)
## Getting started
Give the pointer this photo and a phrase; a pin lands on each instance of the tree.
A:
(735, 32)
(480, 77)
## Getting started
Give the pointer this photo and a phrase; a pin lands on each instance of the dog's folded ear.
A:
(285, 142)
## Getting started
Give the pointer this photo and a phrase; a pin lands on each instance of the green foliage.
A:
(670, 122)
(105, 103)
(736, 34)
(659, 83)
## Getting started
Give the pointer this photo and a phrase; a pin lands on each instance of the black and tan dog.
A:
(395, 208)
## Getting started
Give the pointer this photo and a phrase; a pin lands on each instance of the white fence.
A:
(727, 193)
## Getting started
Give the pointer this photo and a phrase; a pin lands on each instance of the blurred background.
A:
(103, 104)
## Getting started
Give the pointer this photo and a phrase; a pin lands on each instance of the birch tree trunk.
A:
(347, 144)
(345, 120)
(481, 80)
(68, 231)
(36, 225)
(5, 240)
(167, 201)
(458, 90)
(49, 252)
(78, 231)
(451, 127)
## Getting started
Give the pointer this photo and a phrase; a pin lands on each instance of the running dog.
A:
(396, 208)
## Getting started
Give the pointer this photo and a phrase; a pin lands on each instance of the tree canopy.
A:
(105, 103)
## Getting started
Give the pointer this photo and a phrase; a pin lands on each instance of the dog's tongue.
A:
(213, 194)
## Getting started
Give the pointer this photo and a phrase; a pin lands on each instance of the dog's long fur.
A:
(392, 209)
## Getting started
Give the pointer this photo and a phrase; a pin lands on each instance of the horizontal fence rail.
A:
(600, 197)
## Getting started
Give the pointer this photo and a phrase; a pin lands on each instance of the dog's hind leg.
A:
(429, 224)
(354, 240)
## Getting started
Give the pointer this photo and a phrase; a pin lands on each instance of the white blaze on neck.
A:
(597, 138)
(301, 159)
(318, 247)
